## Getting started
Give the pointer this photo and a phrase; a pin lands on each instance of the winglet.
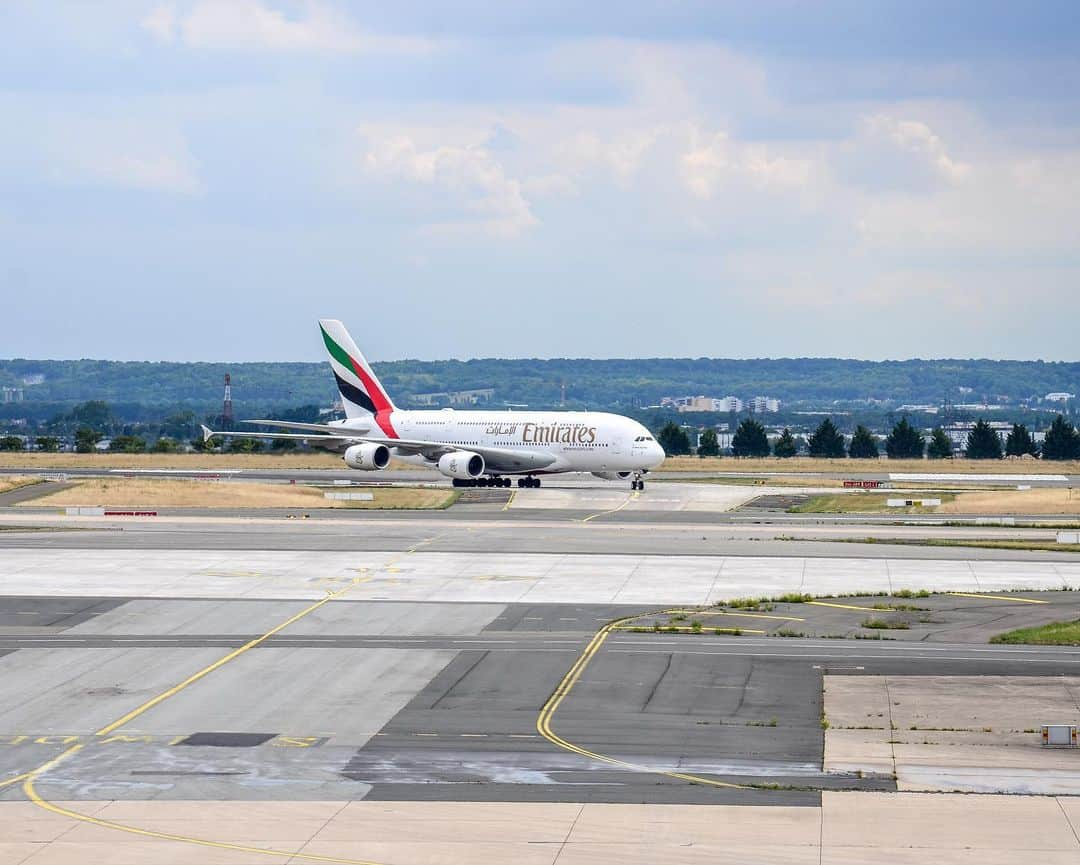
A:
(207, 433)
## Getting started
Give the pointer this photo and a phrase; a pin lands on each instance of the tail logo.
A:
(365, 392)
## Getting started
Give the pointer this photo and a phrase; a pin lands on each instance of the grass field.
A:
(863, 503)
(808, 464)
(320, 460)
(1034, 501)
(1054, 634)
(14, 482)
(984, 502)
(183, 493)
(191, 462)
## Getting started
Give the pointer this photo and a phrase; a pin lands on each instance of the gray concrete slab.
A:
(78, 690)
(344, 694)
(498, 578)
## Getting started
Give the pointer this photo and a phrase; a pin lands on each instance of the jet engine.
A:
(612, 476)
(368, 457)
(461, 464)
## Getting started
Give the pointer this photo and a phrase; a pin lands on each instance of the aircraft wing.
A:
(208, 433)
(310, 427)
(497, 459)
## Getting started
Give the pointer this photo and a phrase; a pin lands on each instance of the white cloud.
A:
(719, 161)
(483, 195)
(916, 137)
(250, 25)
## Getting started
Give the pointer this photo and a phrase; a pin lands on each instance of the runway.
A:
(398, 661)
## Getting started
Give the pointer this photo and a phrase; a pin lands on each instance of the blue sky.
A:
(201, 179)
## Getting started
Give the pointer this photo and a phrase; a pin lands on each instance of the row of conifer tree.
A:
(1061, 442)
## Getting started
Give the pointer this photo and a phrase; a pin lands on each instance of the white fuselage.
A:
(578, 441)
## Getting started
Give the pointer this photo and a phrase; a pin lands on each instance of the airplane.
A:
(472, 448)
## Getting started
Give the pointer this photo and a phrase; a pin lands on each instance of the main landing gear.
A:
(528, 482)
(637, 483)
(482, 482)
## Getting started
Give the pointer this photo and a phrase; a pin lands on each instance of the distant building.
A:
(958, 432)
(11, 394)
(723, 439)
(925, 409)
(731, 404)
(455, 397)
(764, 405)
(692, 403)
(1050, 397)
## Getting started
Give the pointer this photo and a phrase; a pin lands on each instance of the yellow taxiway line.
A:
(1013, 598)
(629, 499)
(510, 500)
(851, 607)
(29, 778)
(563, 689)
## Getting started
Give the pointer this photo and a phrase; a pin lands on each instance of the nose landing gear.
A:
(528, 482)
(637, 483)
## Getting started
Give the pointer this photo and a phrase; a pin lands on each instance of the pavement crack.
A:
(446, 692)
(892, 726)
(1065, 814)
(569, 832)
(656, 684)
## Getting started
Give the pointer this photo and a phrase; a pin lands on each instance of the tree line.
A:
(1061, 442)
(592, 383)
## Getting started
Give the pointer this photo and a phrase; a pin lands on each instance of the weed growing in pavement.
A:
(884, 625)
(787, 632)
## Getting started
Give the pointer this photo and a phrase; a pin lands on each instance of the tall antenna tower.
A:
(562, 393)
(226, 406)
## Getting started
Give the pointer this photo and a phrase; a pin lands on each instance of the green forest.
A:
(49, 386)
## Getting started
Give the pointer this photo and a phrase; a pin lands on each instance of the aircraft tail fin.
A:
(361, 393)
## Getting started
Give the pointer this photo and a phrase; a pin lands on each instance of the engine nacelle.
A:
(612, 476)
(368, 457)
(461, 464)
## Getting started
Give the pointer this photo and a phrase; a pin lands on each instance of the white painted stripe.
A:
(962, 476)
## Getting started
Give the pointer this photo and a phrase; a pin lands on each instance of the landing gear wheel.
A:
(637, 483)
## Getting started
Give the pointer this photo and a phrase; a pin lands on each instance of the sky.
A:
(202, 179)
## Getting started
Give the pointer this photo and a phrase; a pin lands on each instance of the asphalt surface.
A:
(407, 701)
(442, 533)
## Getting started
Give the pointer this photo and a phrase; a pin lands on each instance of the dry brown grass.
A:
(1035, 501)
(14, 482)
(808, 464)
(183, 493)
(191, 462)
